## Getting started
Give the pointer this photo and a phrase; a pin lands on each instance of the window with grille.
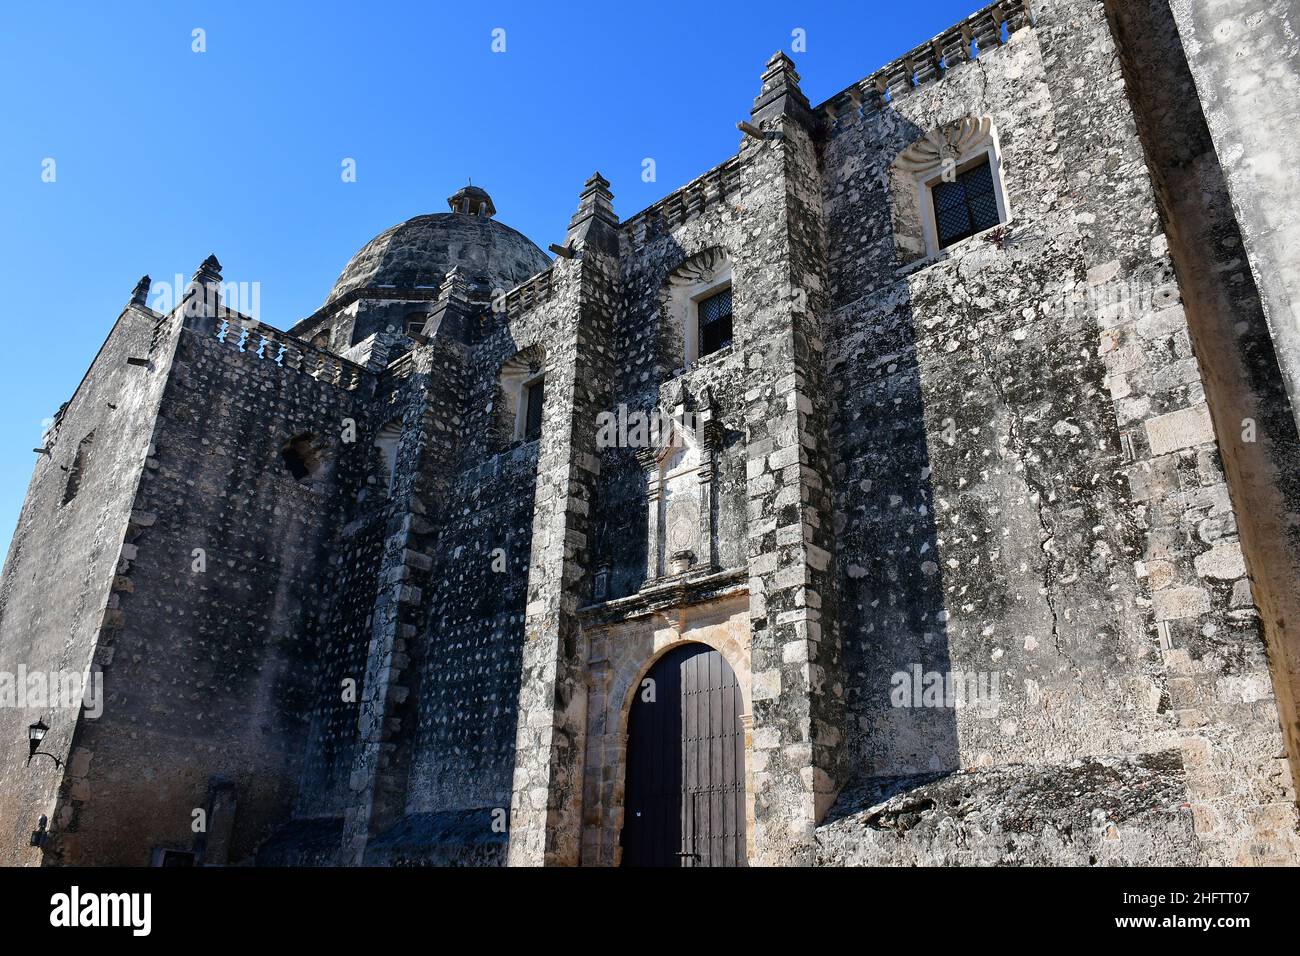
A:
(714, 322)
(965, 206)
(532, 412)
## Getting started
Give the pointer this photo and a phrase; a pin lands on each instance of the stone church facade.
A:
(961, 530)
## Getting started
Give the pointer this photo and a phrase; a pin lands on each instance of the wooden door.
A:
(685, 795)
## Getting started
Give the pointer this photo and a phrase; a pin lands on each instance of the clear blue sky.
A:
(163, 155)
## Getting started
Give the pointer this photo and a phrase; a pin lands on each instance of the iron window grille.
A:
(714, 314)
(533, 396)
(965, 206)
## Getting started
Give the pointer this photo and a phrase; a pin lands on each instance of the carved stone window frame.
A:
(959, 145)
(524, 369)
(701, 275)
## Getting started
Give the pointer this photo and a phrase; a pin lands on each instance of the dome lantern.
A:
(470, 200)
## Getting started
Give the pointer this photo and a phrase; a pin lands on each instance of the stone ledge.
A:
(676, 592)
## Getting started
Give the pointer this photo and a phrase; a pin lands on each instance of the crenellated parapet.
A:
(927, 63)
(530, 294)
(263, 343)
(686, 203)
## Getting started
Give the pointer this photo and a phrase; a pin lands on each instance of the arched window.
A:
(947, 186)
(697, 302)
(523, 395)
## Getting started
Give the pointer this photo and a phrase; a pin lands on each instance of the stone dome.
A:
(420, 251)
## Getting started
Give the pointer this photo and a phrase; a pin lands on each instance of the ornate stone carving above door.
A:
(680, 486)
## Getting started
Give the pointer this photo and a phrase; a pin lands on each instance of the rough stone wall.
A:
(1022, 477)
(470, 689)
(999, 462)
(212, 661)
(57, 603)
(427, 621)
(648, 356)
(1245, 390)
(420, 398)
(1244, 57)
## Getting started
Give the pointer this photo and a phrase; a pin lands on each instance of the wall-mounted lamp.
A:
(35, 734)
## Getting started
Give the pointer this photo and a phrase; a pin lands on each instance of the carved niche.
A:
(681, 478)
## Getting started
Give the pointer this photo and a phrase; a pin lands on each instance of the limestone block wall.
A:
(58, 605)
(1238, 355)
(545, 816)
(1029, 488)
(214, 650)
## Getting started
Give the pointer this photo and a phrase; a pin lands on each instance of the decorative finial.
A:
(780, 93)
(595, 219)
(141, 291)
(209, 270)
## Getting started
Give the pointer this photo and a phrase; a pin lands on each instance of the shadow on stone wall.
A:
(891, 581)
(892, 604)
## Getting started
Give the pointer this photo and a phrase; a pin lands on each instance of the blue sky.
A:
(163, 155)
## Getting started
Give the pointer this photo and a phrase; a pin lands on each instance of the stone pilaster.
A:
(798, 693)
(546, 806)
(385, 721)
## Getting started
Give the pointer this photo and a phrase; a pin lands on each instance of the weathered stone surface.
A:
(971, 526)
(1126, 811)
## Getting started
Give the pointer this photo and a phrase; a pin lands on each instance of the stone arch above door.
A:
(620, 654)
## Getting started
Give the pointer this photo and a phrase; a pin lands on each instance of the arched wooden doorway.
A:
(684, 803)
